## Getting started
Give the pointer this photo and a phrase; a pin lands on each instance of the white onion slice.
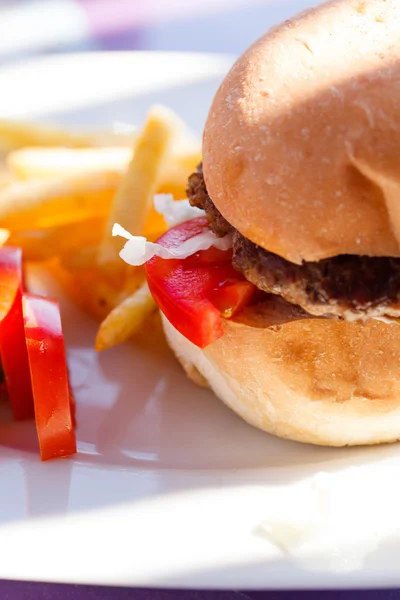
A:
(175, 211)
(138, 250)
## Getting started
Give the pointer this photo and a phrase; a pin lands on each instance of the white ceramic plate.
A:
(170, 488)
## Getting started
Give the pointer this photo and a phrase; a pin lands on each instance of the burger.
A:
(300, 188)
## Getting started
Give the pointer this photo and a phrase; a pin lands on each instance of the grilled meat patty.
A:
(354, 287)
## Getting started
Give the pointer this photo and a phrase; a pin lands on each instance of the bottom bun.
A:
(313, 380)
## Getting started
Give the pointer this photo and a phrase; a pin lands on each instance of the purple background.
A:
(38, 591)
(28, 27)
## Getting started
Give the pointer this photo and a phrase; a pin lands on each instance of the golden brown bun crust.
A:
(320, 381)
(301, 146)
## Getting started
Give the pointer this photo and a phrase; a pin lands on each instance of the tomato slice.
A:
(196, 292)
(14, 356)
(49, 377)
(232, 297)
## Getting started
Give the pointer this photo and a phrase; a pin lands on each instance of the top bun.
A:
(301, 148)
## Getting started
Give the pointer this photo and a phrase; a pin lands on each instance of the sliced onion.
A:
(138, 250)
(175, 211)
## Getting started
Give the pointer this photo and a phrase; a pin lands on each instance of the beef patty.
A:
(354, 287)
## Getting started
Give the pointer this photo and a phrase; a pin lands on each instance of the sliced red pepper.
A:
(14, 356)
(49, 377)
(194, 293)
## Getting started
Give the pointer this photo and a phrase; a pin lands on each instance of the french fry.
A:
(133, 200)
(70, 239)
(174, 176)
(18, 134)
(26, 205)
(62, 191)
(83, 256)
(80, 261)
(4, 236)
(97, 293)
(41, 163)
(94, 297)
(126, 319)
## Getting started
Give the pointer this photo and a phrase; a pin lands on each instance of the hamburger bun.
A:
(301, 155)
(320, 381)
(301, 146)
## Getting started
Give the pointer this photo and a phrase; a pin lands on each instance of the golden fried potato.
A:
(69, 240)
(33, 204)
(19, 134)
(133, 201)
(126, 319)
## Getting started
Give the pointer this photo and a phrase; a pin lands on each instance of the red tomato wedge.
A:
(49, 377)
(230, 298)
(194, 293)
(14, 356)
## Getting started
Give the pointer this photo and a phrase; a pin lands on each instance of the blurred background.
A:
(33, 27)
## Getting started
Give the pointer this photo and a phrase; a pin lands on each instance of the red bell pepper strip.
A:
(196, 292)
(14, 356)
(49, 377)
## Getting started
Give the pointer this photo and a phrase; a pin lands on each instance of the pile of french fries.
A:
(62, 191)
